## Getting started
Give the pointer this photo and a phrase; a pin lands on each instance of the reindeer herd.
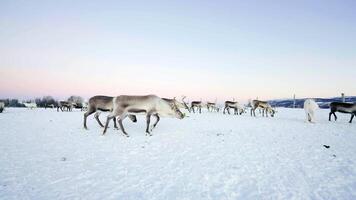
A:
(123, 106)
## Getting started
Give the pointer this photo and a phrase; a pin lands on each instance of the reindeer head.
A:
(185, 104)
(177, 113)
(271, 111)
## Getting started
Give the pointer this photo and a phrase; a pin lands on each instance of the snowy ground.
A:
(48, 155)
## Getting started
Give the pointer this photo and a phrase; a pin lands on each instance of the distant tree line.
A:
(44, 102)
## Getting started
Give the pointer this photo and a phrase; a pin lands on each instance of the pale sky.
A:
(201, 49)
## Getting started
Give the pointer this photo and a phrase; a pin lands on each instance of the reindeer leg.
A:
(86, 114)
(335, 116)
(115, 125)
(157, 120)
(109, 117)
(96, 116)
(352, 117)
(119, 119)
(148, 120)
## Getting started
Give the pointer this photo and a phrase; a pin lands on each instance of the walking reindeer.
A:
(238, 109)
(343, 108)
(149, 105)
(104, 104)
(264, 105)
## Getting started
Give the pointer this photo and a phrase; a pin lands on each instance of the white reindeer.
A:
(148, 105)
(30, 105)
(310, 106)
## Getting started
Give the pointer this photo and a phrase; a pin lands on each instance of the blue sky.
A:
(201, 49)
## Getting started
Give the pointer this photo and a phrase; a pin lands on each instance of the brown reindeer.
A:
(212, 107)
(264, 105)
(343, 108)
(65, 106)
(238, 110)
(196, 104)
(104, 104)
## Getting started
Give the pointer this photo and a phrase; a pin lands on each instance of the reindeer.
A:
(30, 105)
(185, 103)
(212, 107)
(65, 106)
(149, 105)
(235, 105)
(197, 104)
(2, 106)
(104, 104)
(264, 105)
(310, 106)
(343, 108)
(82, 106)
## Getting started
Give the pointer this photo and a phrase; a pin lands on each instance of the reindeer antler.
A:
(183, 97)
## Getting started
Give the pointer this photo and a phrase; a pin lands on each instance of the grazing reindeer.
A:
(81, 106)
(2, 106)
(30, 105)
(149, 105)
(310, 106)
(234, 105)
(185, 103)
(197, 104)
(212, 107)
(264, 105)
(65, 106)
(101, 103)
(343, 108)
